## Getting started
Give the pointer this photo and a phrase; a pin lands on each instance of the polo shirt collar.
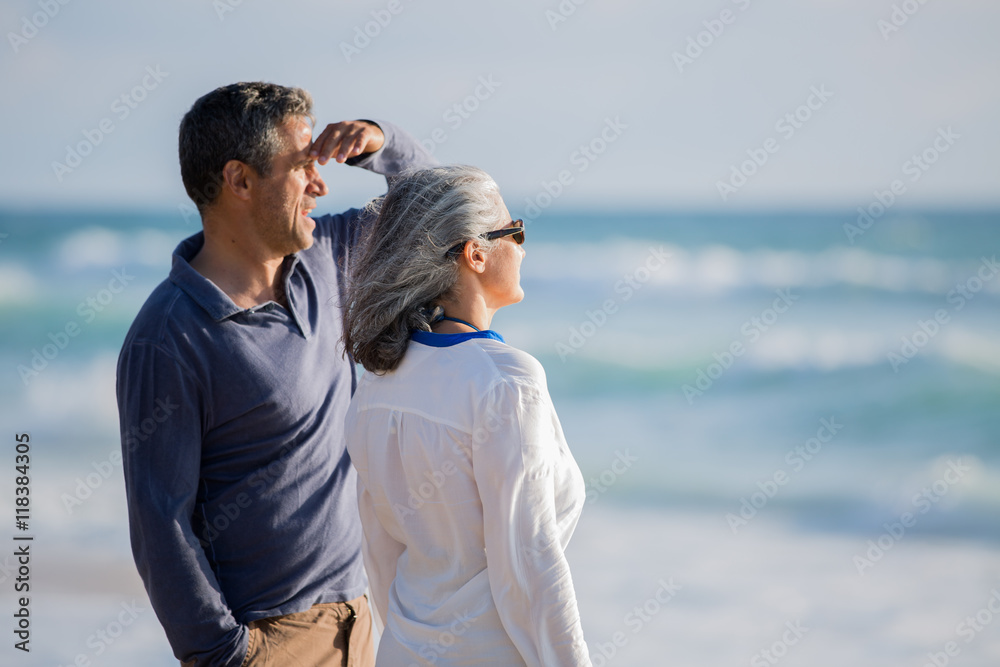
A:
(214, 301)
(206, 294)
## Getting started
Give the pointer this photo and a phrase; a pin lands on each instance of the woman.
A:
(467, 490)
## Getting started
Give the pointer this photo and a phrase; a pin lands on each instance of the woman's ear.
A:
(474, 257)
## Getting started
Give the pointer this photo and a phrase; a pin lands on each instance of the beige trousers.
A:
(333, 634)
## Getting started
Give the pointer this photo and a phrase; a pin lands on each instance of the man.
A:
(232, 390)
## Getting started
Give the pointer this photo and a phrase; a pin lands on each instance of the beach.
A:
(789, 433)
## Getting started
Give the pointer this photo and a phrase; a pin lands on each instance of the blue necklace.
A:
(455, 319)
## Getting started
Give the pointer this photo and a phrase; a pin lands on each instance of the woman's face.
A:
(502, 278)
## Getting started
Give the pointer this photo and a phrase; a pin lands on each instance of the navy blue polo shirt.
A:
(241, 496)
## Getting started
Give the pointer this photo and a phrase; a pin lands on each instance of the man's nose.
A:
(317, 186)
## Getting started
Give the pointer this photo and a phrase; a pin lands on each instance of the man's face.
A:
(283, 200)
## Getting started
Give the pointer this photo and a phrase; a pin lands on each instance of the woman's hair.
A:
(400, 269)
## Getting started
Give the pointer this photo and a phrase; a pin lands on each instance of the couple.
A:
(243, 502)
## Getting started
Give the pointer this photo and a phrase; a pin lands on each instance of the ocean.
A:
(788, 423)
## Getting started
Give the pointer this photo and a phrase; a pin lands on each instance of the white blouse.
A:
(468, 496)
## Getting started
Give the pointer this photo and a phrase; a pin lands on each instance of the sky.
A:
(728, 104)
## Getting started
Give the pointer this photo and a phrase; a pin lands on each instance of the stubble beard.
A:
(281, 235)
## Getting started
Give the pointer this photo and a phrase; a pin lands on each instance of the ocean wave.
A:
(855, 493)
(820, 349)
(718, 268)
(17, 285)
(82, 394)
(789, 347)
(101, 247)
(829, 350)
(971, 348)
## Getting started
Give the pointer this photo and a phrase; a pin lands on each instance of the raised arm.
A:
(378, 146)
(161, 427)
(529, 491)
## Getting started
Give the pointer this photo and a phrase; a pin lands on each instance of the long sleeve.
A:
(381, 552)
(531, 493)
(162, 417)
(399, 152)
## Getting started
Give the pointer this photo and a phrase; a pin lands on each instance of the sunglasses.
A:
(516, 234)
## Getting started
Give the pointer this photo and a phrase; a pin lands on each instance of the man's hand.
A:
(346, 139)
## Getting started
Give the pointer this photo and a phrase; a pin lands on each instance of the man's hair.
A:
(235, 122)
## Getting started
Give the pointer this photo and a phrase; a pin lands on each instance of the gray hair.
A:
(400, 269)
(235, 122)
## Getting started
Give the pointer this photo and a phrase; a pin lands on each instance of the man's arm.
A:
(378, 146)
(161, 426)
